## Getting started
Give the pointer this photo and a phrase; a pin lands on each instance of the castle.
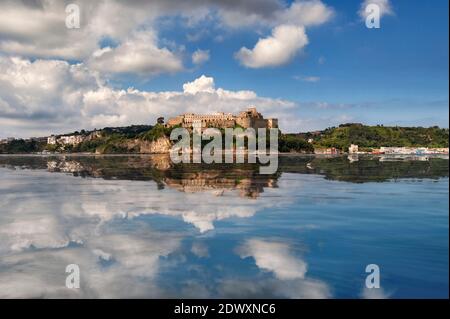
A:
(246, 119)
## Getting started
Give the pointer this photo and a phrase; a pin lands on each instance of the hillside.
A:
(376, 136)
(146, 139)
(111, 140)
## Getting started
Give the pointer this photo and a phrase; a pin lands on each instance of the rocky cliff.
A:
(159, 146)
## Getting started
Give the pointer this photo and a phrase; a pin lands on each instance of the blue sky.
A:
(335, 70)
(397, 74)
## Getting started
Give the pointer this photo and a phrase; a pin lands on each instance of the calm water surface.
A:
(138, 226)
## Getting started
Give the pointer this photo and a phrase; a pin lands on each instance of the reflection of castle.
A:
(248, 186)
(189, 179)
(249, 118)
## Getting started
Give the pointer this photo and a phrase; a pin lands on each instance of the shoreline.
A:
(285, 154)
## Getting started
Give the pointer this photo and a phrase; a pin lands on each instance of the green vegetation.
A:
(132, 131)
(112, 140)
(286, 142)
(22, 146)
(294, 143)
(107, 144)
(156, 132)
(127, 139)
(367, 137)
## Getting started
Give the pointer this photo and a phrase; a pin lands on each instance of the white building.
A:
(353, 149)
(413, 150)
(65, 139)
(51, 140)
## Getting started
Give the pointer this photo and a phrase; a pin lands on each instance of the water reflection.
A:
(100, 225)
(289, 271)
(140, 227)
(242, 177)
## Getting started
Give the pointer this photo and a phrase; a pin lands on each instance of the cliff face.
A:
(159, 146)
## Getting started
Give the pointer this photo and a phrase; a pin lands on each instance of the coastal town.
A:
(249, 118)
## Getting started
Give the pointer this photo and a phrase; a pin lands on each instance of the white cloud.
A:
(275, 257)
(288, 35)
(49, 96)
(43, 97)
(37, 28)
(200, 56)
(43, 90)
(306, 13)
(384, 5)
(278, 49)
(270, 13)
(138, 54)
(202, 84)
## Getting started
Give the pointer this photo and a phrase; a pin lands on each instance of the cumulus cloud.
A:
(272, 13)
(288, 35)
(138, 54)
(202, 84)
(43, 91)
(37, 28)
(200, 56)
(306, 13)
(278, 49)
(56, 76)
(384, 5)
(49, 96)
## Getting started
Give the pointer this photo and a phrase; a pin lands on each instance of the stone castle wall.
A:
(249, 118)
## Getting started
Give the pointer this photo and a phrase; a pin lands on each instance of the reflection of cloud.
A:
(124, 199)
(105, 201)
(289, 272)
(34, 231)
(200, 249)
(272, 288)
(203, 220)
(54, 220)
(375, 293)
(131, 273)
(274, 257)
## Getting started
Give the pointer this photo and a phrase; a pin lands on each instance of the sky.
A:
(312, 64)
